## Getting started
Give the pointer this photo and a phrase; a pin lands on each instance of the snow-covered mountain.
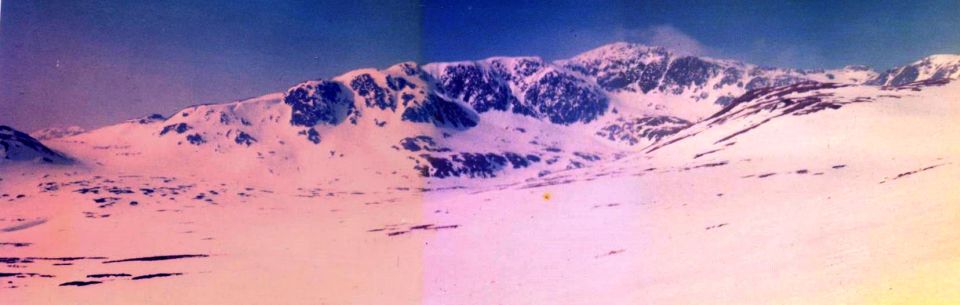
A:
(688, 87)
(934, 67)
(18, 146)
(56, 132)
(482, 118)
(812, 191)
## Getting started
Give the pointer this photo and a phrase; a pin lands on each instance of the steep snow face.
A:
(622, 66)
(935, 67)
(19, 146)
(56, 132)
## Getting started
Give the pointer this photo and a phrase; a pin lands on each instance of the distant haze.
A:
(93, 63)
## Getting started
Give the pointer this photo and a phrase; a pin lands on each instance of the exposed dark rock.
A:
(373, 95)
(178, 128)
(634, 130)
(81, 283)
(474, 165)
(244, 138)
(155, 258)
(441, 113)
(565, 99)
(319, 102)
(472, 85)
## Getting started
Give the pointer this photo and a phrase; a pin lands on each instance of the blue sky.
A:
(92, 63)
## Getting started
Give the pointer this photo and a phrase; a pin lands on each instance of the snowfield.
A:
(807, 193)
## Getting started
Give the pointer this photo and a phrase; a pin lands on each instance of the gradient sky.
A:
(92, 63)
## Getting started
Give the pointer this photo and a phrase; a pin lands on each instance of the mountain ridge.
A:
(19, 146)
(465, 118)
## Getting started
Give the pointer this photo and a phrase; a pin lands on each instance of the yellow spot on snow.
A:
(546, 196)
